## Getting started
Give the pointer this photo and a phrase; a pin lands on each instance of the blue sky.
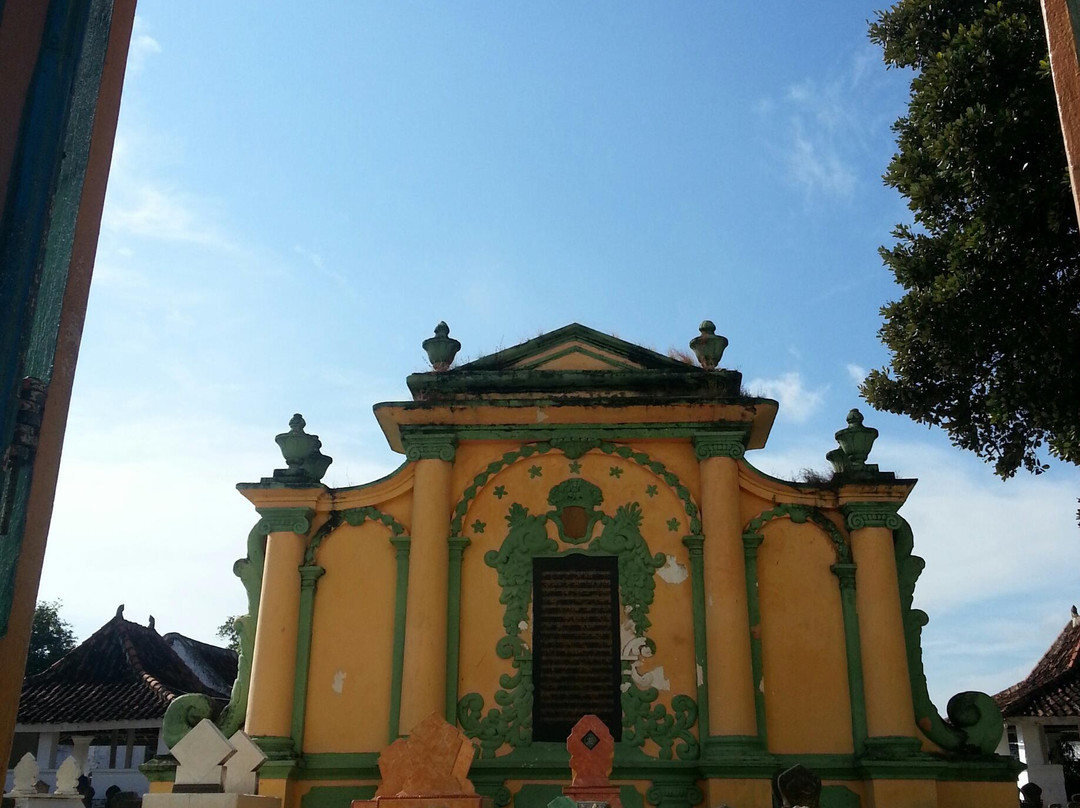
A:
(301, 191)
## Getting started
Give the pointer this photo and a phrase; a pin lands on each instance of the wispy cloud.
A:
(798, 402)
(856, 373)
(143, 46)
(160, 212)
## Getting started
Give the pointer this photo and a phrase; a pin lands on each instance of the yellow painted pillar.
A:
(423, 682)
(890, 713)
(273, 663)
(730, 673)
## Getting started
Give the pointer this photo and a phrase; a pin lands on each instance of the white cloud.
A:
(142, 46)
(816, 164)
(856, 373)
(797, 402)
(160, 212)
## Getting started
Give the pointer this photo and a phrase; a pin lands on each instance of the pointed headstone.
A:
(67, 778)
(199, 757)
(25, 776)
(241, 770)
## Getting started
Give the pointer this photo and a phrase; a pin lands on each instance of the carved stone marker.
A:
(200, 756)
(241, 770)
(25, 790)
(428, 769)
(798, 787)
(592, 753)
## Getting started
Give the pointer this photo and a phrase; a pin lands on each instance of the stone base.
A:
(44, 801)
(432, 801)
(608, 795)
(209, 801)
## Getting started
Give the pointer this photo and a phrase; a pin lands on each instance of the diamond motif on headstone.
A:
(590, 740)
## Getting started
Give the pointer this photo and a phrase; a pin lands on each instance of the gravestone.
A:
(592, 753)
(428, 769)
(26, 794)
(798, 787)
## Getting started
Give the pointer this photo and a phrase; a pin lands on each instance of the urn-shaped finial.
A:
(707, 346)
(855, 441)
(442, 348)
(306, 464)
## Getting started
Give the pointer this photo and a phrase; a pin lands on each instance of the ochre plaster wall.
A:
(352, 642)
(807, 702)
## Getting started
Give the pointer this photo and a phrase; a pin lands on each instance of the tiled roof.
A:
(123, 672)
(1052, 689)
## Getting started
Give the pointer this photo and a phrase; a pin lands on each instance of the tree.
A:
(51, 637)
(227, 631)
(985, 341)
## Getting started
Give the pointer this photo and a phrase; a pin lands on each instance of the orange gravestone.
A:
(592, 752)
(428, 769)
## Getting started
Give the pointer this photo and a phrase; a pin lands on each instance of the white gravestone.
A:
(241, 770)
(199, 758)
(24, 788)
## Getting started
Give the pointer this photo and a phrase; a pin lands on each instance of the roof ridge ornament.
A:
(708, 347)
(442, 348)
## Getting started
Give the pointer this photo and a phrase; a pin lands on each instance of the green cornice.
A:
(570, 433)
(871, 514)
(429, 445)
(286, 520)
(276, 748)
(720, 444)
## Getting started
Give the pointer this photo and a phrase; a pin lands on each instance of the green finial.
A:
(306, 464)
(707, 346)
(442, 348)
(855, 441)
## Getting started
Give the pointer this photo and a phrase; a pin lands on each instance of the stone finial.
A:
(707, 346)
(799, 787)
(306, 464)
(433, 760)
(241, 770)
(1032, 795)
(67, 778)
(442, 348)
(25, 776)
(199, 757)
(855, 441)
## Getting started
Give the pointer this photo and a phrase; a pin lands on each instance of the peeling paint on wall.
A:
(700, 676)
(339, 682)
(673, 572)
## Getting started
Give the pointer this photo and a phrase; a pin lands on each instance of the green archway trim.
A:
(355, 517)
(800, 514)
(574, 447)
(975, 723)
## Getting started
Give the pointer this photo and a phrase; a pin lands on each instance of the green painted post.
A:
(694, 544)
(846, 575)
(309, 575)
(401, 591)
(751, 542)
(453, 625)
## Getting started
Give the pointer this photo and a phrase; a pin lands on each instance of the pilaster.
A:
(309, 578)
(889, 709)
(728, 672)
(423, 683)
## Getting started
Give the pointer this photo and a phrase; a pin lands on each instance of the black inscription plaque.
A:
(575, 644)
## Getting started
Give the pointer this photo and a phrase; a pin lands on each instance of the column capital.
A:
(858, 515)
(751, 542)
(458, 544)
(727, 443)
(309, 574)
(286, 520)
(429, 445)
(401, 543)
(846, 574)
(694, 544)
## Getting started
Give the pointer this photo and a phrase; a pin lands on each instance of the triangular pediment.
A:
(575, 347)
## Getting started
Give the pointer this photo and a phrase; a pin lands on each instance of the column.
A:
(273, 663)
(457, 545)
(401, 587)
(730, 676)
(889, 709)
(423, 682)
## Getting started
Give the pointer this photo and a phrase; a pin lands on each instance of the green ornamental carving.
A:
(510, 720)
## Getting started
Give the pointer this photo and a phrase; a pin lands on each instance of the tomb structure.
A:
(578, 530)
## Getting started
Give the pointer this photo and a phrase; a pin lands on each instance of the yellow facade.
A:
(762, 623)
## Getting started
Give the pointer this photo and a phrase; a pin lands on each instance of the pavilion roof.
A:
(123, 672)
(1052, 689)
